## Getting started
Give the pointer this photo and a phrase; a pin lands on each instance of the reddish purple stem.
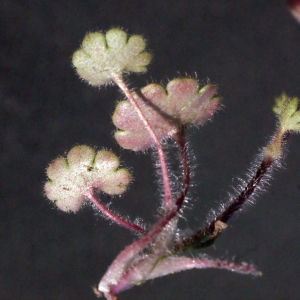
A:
(186, 169)
(161, 154)
(90, 194)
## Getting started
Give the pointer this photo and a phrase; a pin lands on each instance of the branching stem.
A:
(131, 251)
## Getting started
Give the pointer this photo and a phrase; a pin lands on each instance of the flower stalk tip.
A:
(286, 109)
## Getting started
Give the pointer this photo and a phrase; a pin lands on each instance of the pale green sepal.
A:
(289, 115)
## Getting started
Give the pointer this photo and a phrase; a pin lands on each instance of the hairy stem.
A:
(162, 158)
(90, 194)
(207, 235)
(186, 169)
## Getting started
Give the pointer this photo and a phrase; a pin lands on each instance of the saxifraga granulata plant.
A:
(146, 118)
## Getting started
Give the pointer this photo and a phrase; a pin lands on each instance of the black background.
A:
(249, 48)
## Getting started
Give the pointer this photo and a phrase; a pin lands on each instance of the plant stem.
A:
(186, 168)
(113, 274)
(162, 158)
(207, 235)
(90, 194)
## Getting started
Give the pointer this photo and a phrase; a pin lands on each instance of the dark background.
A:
(250, 48)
